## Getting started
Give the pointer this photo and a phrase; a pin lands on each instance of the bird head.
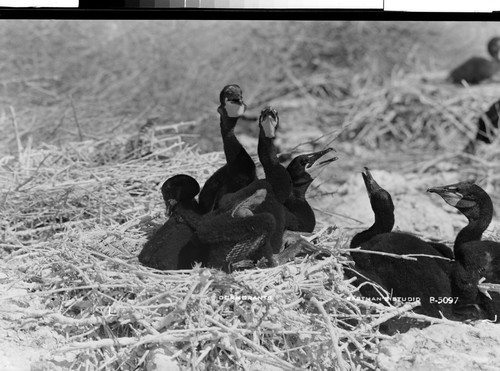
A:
(494, 48)
(380, 199)
(231, 101)
(311, 163)
(464, 196)
(269, 122)
(178, 188)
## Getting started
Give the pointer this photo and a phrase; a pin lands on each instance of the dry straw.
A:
(74, 219)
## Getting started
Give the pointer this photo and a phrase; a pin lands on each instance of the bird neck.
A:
(190, 214)
(299, 190)
(483, 215)
(383, 224)
(472, 232)
(276, 174)
(362, 237)
(232, 147)
(300, 187)
(300, 215)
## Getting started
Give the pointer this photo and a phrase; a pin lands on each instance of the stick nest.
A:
(74, 220)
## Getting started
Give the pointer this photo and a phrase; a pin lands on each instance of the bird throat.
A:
(269, 127)
(451, 198)
(234, 109)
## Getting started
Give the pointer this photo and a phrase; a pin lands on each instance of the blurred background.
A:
(373, 90)
(111, 76)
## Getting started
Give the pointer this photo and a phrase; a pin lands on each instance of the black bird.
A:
(163, 249)
(477, 69)
(475, 259)
(487, 127)
(423, 278)
(176, 245)
(303, 169)
(259, 235)
(239, 170)
(383, 209)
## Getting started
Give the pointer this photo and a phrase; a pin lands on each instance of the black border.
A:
(243, 14)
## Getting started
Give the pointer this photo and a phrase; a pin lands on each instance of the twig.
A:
(16, 132)
(331, 213)
(18, 188)
(396, 312)
(253, 345)
(80, 134)
(397, 256)
(127, 341)
(333, 334)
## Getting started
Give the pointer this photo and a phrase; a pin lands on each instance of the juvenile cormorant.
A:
(423, 278)
(487, 127)
(474, 259)
(239, 170)
(163, 249)
(303, 169)
(477, 69)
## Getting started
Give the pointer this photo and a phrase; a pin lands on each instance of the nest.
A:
(73, 225)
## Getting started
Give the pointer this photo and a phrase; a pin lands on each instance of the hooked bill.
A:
(318, 161)
(449, 194)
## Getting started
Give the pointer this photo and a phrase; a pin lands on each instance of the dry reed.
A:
(74, 222)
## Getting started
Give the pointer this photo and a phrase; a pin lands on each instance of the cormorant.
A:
(424, 278)
(474, 259)
(303, 169)
(239, 170)
(163, 249)
(487, 127)
(477, 69)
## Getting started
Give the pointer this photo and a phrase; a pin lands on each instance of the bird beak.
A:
(269, 122)
(317, 161)
(449, 194)
(235, 107)
(370, 183)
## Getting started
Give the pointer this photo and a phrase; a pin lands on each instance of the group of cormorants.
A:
(240, 221)
(444, 280)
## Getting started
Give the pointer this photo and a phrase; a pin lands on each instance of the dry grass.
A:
(73, 226)
(89, 79)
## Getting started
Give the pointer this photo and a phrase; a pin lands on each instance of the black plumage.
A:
(424, 278)
(477, 69)
(166, 248)
(238, 238)
(239, 170)
(303, 169)
(487, 127)
(252, 233)
(475, 259)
